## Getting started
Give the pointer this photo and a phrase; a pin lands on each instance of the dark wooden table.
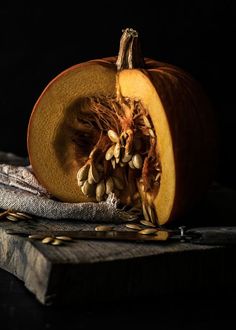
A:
(200, 295)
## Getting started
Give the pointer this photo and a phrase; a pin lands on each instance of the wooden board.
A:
(98, 270)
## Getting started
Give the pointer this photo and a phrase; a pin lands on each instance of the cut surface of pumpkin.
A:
(140, 129)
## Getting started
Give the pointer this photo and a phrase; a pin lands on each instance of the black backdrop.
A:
(39, 41)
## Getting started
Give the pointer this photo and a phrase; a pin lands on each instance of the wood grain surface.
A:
(98, 271)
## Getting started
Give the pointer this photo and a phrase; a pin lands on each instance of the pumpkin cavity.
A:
(118, 139)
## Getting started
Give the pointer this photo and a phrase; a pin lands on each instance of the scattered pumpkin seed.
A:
(57, 242)
(103, 228)
(147, 223)
(133, 226)
(64, 238)
(47, 240)
(148, 231)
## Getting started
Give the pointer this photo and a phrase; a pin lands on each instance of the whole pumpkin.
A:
(136, 127)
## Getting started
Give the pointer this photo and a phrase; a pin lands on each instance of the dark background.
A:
(39, 40)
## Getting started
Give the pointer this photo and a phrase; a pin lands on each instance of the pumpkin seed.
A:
(57, 242)
(40, 237)
(17, 216)
(118, 183)
(93, 176)
(162, 235)
(88, 189)
(137, 161)
(157, 176)
(113, 163)
(131, 165)
(126, 158)
(80, 183)
(12, 218)
(109, 185)
(152, 214)
(145, 213)
(148, 231)
(146, 122)
(147, 223)
(103, 228)
(113, 136)
(110, 152)
(151, 133)
(47, 240)
(133, 226)
(117, 150)
(24, 215)
(64, 238)
(82, 174)
(100, 190)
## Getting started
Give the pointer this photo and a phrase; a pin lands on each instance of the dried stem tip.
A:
(130, 55)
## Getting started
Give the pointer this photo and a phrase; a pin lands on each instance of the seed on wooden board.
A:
(27, 216)
(100, 190)
(147, 223)
(131, 165)
(146, 122)
(12, 218)
(47, 240)
(40, 237)
(82, 174)
(133, 226)
(151, 133)
(110, 152)
(117, 150)
(113, 136)
(64, 238)
(137, 161)
(162, 235)
(118, 183)
(57, 242)
(148, 231)
(15, 215)
(93, 176)
(152, 214)
(103, 228)
(109, 185)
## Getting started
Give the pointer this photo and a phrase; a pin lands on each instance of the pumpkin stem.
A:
(130, 55)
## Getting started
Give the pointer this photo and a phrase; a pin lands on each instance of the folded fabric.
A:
(20, 191)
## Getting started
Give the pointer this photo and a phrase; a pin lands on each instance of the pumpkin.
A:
(139, 128)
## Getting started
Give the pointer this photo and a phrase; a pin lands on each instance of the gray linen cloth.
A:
(20, 191)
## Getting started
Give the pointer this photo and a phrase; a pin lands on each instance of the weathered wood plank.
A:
(98, 270)
(91, 269)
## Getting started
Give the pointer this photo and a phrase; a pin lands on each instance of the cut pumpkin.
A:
(140, 129)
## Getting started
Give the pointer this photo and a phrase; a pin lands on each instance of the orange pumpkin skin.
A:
(191, 124)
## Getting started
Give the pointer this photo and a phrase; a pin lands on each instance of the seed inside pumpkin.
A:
(123, 138)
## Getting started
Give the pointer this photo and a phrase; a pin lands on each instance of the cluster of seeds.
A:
(57, 240)
(90, 179)
(14, 216)
(124, 156)
(139, 228)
